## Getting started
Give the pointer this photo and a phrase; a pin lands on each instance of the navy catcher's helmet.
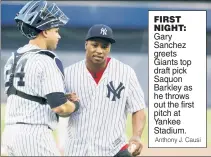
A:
(37, 16)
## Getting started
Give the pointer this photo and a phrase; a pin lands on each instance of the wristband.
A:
(77, 104)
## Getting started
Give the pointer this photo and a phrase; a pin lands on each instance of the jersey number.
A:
(19, 72)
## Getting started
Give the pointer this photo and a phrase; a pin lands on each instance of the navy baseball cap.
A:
(101, 31)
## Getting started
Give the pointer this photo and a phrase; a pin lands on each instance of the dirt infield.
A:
(176, 151)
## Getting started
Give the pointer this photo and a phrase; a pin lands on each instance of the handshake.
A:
(72, 97)
(72, 105)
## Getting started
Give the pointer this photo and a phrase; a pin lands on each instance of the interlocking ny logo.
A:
(103, 31)
(116, 92)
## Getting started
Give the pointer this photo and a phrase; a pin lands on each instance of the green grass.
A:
(209, 127)
(129, 126)
(2, 117)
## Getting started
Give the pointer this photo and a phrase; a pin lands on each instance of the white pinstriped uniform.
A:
(98, 127)
(41, 78)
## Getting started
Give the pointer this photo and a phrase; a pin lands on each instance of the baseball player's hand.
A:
(69, 107)
(72, 96)
(135, 146)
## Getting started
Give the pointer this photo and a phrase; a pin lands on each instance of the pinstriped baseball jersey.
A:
(41, 77)
(29, 140)
(98, 127)
(36, 75)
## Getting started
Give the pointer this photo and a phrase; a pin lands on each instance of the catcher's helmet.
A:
(37, 16)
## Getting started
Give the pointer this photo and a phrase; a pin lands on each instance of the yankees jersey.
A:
(39, 76)
(98, 127)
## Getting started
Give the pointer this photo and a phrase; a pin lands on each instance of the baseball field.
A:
(156, 151)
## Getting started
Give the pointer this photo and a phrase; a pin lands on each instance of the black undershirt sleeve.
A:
(56, 99)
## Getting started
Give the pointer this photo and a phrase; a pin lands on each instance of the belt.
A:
(29, 124)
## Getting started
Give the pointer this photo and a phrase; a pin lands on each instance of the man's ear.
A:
(45, 33)
(85, 45)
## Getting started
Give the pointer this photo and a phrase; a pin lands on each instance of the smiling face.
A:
(52, 38)
(97, 50)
